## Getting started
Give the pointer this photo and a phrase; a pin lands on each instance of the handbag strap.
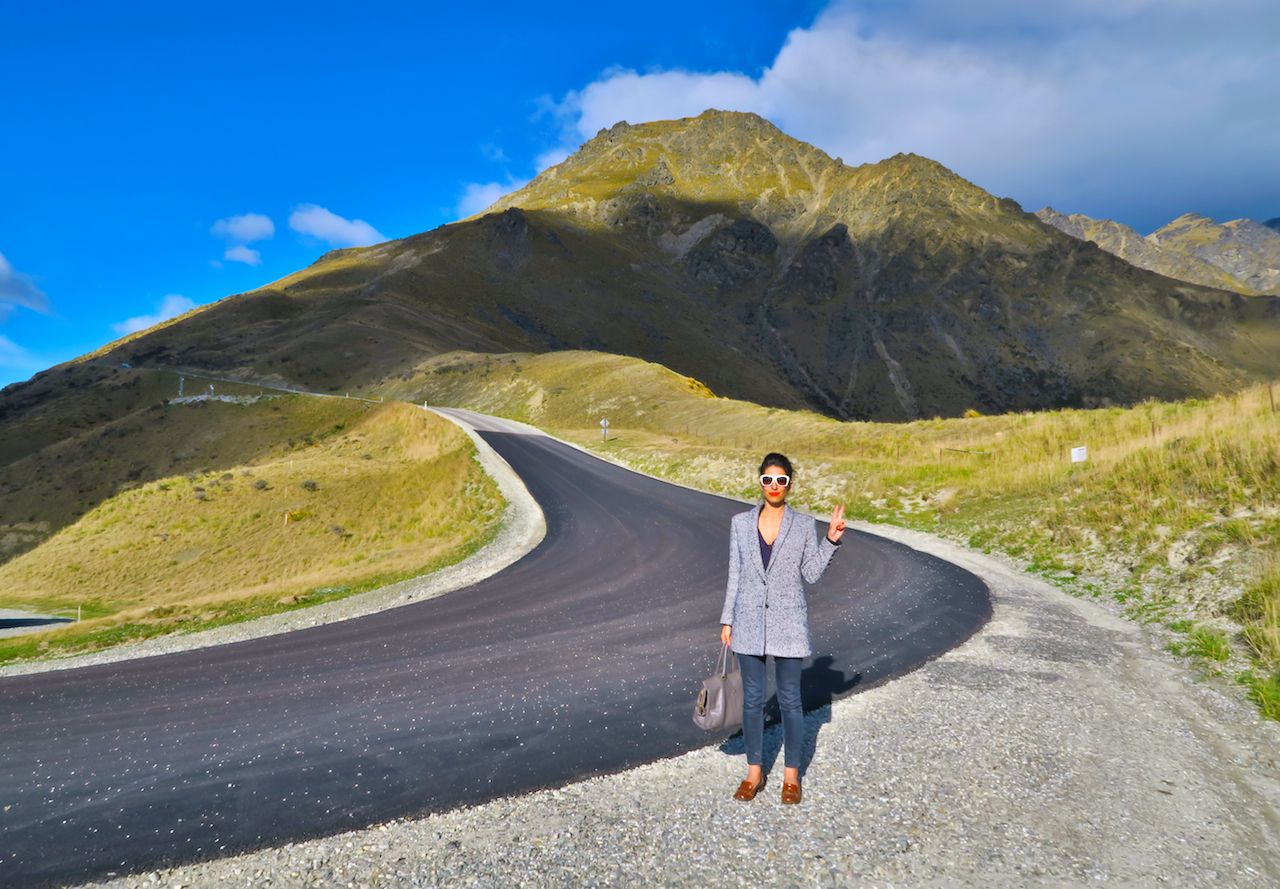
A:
(722, 662)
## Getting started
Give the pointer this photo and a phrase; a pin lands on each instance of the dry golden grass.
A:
(144, 439)
(1178, 497)
(364, 494)
(1259, 609)
(1156, 464)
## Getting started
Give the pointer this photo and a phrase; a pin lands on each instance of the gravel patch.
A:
(523, 527)
(1060, 746)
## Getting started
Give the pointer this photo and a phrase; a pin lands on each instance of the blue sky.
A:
(160, 156)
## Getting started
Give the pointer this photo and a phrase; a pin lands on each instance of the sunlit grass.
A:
(1204, 642)
(393, 493)
(1170, 493)
(1259, 610)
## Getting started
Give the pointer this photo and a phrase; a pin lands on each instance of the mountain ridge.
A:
(1241, 255)
(1243, 248)
(1125, 242)
(735, 254)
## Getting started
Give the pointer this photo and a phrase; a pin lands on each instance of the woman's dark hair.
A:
(776, 460)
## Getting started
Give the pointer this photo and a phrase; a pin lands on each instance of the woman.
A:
(765, 613)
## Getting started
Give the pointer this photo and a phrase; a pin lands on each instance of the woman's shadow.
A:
(820, 684)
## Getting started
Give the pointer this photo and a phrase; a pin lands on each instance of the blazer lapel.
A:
(756, 559)
(782, 535)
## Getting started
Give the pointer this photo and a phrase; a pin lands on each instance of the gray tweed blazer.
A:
(767, 609)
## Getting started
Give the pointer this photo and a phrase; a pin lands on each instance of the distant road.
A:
(580, 659)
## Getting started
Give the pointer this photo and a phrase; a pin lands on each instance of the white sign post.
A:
(604, 429)
(1080, 454)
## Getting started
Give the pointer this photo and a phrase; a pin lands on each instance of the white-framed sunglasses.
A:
(782, 480)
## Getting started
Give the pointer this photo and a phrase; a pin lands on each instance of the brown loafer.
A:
(790, 793)
(747, 791)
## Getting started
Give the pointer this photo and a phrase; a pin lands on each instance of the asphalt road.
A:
(582, 658)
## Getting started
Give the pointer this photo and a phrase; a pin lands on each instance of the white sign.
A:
(1079, 455)
(604, 423)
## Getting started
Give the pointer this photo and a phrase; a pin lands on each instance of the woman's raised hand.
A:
(836, 531)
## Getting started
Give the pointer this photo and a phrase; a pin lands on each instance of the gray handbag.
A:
(719, 704)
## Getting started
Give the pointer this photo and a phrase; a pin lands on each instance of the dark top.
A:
(766, 550)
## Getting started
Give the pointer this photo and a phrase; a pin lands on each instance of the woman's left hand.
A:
(836, 531)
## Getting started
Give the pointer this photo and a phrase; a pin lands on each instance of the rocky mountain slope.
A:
(1241, 255)
(1125, 242)
(1246, 250)
(730, 252)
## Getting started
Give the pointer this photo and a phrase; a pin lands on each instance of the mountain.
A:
(1273, 224)
(1247, 250)
(1240, 255)
(733, 253)
(1125, 242)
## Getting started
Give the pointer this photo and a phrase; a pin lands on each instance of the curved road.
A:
(582, 658)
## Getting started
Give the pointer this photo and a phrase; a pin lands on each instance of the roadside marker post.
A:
(1080, 454)
(604, 429)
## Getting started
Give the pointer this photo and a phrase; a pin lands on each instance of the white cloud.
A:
(478, 195)
(551, 158)
(1090, 100)
(241, 253)
(171, 306)
(240, 230)
(244, 229)
(308, 219)
(18, 290)
(14, 356)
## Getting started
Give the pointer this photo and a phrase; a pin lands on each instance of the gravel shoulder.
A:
(1060, 746)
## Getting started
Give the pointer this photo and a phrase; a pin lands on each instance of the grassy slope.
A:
(72, 454)
(371, 494)
(1173, 508)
